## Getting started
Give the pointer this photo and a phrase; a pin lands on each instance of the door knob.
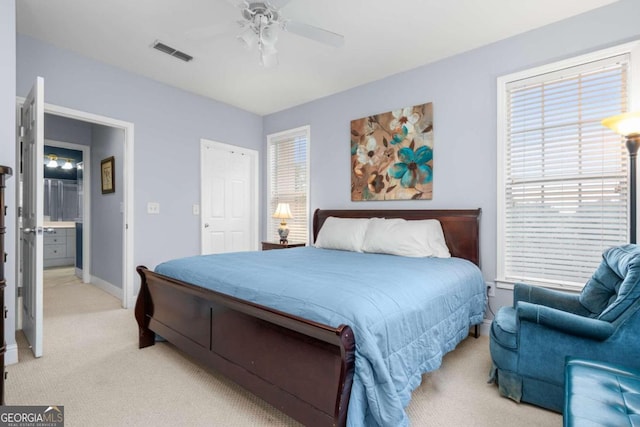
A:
(36, 230)
(206, 225)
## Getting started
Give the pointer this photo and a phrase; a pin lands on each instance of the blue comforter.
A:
(406, 313)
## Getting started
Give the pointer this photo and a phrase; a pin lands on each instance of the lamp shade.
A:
(627, 124)
(283, 211)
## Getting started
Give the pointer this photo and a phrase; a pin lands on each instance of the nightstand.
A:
(267, 246)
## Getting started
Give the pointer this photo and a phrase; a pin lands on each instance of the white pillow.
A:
(397, 236)
(345, 234)
(435, 237)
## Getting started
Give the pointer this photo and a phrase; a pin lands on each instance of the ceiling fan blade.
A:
(277, 4)
(314, 33)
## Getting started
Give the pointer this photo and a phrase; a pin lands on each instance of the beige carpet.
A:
(92, 366)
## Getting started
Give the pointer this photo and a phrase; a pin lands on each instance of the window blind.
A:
(565, 175)
(288, 154)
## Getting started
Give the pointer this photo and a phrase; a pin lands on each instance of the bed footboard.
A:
(303, 368)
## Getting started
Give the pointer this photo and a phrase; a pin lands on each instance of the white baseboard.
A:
(132, 301)
(11, 356)
(79, 272)
(485, 327)
(107, 287)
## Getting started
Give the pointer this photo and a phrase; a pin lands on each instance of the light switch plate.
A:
(153, 208)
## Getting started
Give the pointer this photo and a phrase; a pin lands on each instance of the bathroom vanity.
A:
(59, 244)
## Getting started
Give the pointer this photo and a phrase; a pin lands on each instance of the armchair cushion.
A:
(611, 289)
(600, 291)
(600, 393)
(624, 261)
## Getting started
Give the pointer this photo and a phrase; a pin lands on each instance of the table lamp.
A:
(283, 212)
(628, 125)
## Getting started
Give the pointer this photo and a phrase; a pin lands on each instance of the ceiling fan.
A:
(262, 21)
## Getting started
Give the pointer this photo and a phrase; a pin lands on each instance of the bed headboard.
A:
(461, 227)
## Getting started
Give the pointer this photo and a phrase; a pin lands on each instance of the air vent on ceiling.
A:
(171, 51)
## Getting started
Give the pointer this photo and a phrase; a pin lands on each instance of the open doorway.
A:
(79, 206)
(111, 139)
(108, 138)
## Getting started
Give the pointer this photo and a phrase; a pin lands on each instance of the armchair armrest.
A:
(565, 322)
(564, 301)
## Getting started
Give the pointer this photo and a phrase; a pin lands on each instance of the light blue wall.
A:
(8, 153)
(107, 220)
(169, 124)
(463, 91)
(63, 129)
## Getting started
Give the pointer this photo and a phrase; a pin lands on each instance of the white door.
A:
(32, 156)
(228, 199)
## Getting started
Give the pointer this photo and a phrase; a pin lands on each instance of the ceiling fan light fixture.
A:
(269, 35)
(268, 60)
(268, 49)
(248, 38)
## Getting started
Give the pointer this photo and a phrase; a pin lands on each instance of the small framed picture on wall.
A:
(107, 175)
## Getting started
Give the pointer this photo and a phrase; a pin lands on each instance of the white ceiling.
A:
(382, 37)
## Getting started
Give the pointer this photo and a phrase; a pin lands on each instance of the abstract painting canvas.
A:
(392, 155)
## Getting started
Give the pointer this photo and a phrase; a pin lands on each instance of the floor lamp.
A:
(628, 125)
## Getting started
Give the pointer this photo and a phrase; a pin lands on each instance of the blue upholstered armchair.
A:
(530, 340)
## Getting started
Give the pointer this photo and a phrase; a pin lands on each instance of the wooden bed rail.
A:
(307, 371)
(308, 327)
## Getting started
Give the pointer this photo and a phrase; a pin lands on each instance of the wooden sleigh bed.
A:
(273, 354)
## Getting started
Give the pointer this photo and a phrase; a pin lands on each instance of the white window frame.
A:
(275, 138)
(633, 93)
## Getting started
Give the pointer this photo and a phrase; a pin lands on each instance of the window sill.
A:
(509, 284)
